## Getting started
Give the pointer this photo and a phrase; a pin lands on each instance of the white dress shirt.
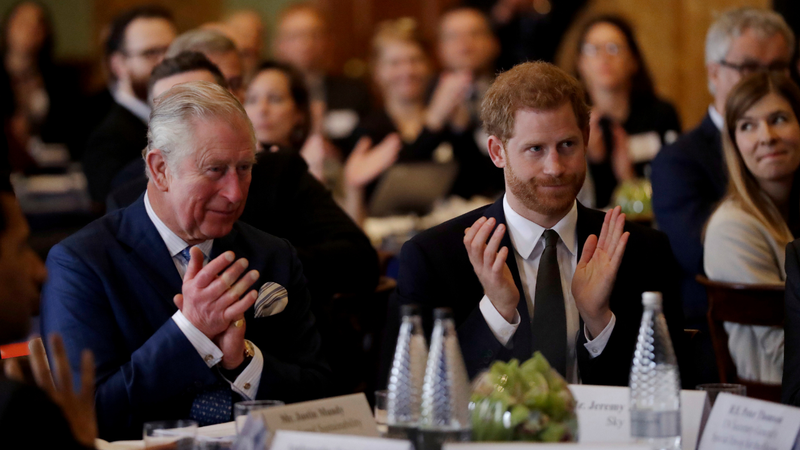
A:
(528, 242)
(246, 384)
(716, 117)
(137, 107)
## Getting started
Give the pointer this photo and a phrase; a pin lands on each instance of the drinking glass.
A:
(169, 435)
(242, 409)
(380, 411)
(714, 389)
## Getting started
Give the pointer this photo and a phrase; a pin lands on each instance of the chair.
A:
(746, 304)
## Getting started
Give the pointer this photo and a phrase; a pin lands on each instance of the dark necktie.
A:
(549, 329)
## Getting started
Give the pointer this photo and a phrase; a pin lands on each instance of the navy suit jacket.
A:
(689, 179)
(435, 271)
(110, 290)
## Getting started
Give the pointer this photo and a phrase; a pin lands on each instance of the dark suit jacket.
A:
(435, 271)
(791, 350)
(288, 202)
(28, 419)
(117, 141)
(689, 178)
(110, 290)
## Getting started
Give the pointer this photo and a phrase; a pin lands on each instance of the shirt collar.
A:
(525, 234)
(174, 244)
(137, 107)
(716, 117)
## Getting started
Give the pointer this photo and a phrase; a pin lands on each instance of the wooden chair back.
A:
(746, 304)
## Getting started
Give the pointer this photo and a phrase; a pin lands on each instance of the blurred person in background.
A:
(689, 177)
(467, 50)
(302, 40)
(626, 112)
(38, 99)
(746, 236)
(247, 31)
(137, 42)
(68, 415)
(219, 49)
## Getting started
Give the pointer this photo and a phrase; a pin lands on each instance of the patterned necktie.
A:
(549, 327)
(213, 405)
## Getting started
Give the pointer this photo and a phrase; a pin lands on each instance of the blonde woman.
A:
(746, 235)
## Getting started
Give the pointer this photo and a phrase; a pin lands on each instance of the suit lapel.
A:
(522, 338)
(150, 257)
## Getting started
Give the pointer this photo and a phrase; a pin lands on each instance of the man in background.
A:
(219, 49)
(689, 176)
(136, 44)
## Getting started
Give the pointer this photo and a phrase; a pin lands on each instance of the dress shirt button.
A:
(594, 350)
(247, 385)
(208, 358)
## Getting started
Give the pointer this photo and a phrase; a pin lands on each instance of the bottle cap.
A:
(442, 313)
(651, 299)
(409, 310)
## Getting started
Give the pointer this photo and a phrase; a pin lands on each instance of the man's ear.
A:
(496, 151)
(116, 63)
(712, 69)
(158, 168)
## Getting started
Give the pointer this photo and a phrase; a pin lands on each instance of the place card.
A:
(298, 440)
(604, 414)
(738, 422)
(348, 414)
(537, 446)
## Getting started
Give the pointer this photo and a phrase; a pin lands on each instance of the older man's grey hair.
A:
(181, 109)
(733, 23)
(202, 41)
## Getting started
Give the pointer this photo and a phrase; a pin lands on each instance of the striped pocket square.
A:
(272, 299)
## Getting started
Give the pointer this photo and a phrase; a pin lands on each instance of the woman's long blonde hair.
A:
(743, 188)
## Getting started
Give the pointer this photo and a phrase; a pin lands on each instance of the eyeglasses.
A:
(749, 68)
(610, 49)
(150, 53)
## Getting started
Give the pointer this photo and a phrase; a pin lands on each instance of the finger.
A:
(619, 251)
(196, 259)
(604, 230)
(490, 253)
(229, 277)
(469, 233)
(87, 375)
(362, 146)
(502, 255)
(588, 250)
(238, 289)
(63, 375)
(240, 307)
(619, 228)
(209, 273)
(178, 300)
(40, 367)
(13, 370)
(479, 242)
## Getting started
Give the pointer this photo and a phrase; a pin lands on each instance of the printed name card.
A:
(348, 414)
(532, 446)
(298, 440)
(604, 414)
(745, 423)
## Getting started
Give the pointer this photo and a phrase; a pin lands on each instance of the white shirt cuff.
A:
(598, 344)
(246, 384)
(210, 353)
(501, 329)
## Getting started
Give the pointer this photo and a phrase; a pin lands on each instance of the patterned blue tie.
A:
(213, 405)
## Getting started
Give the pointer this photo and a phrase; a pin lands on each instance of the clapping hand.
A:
(231, 342)
(490, 265)
(366, 163)
(211, 301)
(597, 270)
(77, 407)
(451, 91)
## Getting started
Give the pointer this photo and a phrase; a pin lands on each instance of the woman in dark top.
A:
(37, 98)
(629, 122)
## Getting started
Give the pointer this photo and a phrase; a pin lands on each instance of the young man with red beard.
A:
(536, 270)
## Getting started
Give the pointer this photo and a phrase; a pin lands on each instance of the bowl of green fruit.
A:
(523, 402)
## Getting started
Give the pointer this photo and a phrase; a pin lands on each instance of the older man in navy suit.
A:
(689, 177)
(156, 292)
